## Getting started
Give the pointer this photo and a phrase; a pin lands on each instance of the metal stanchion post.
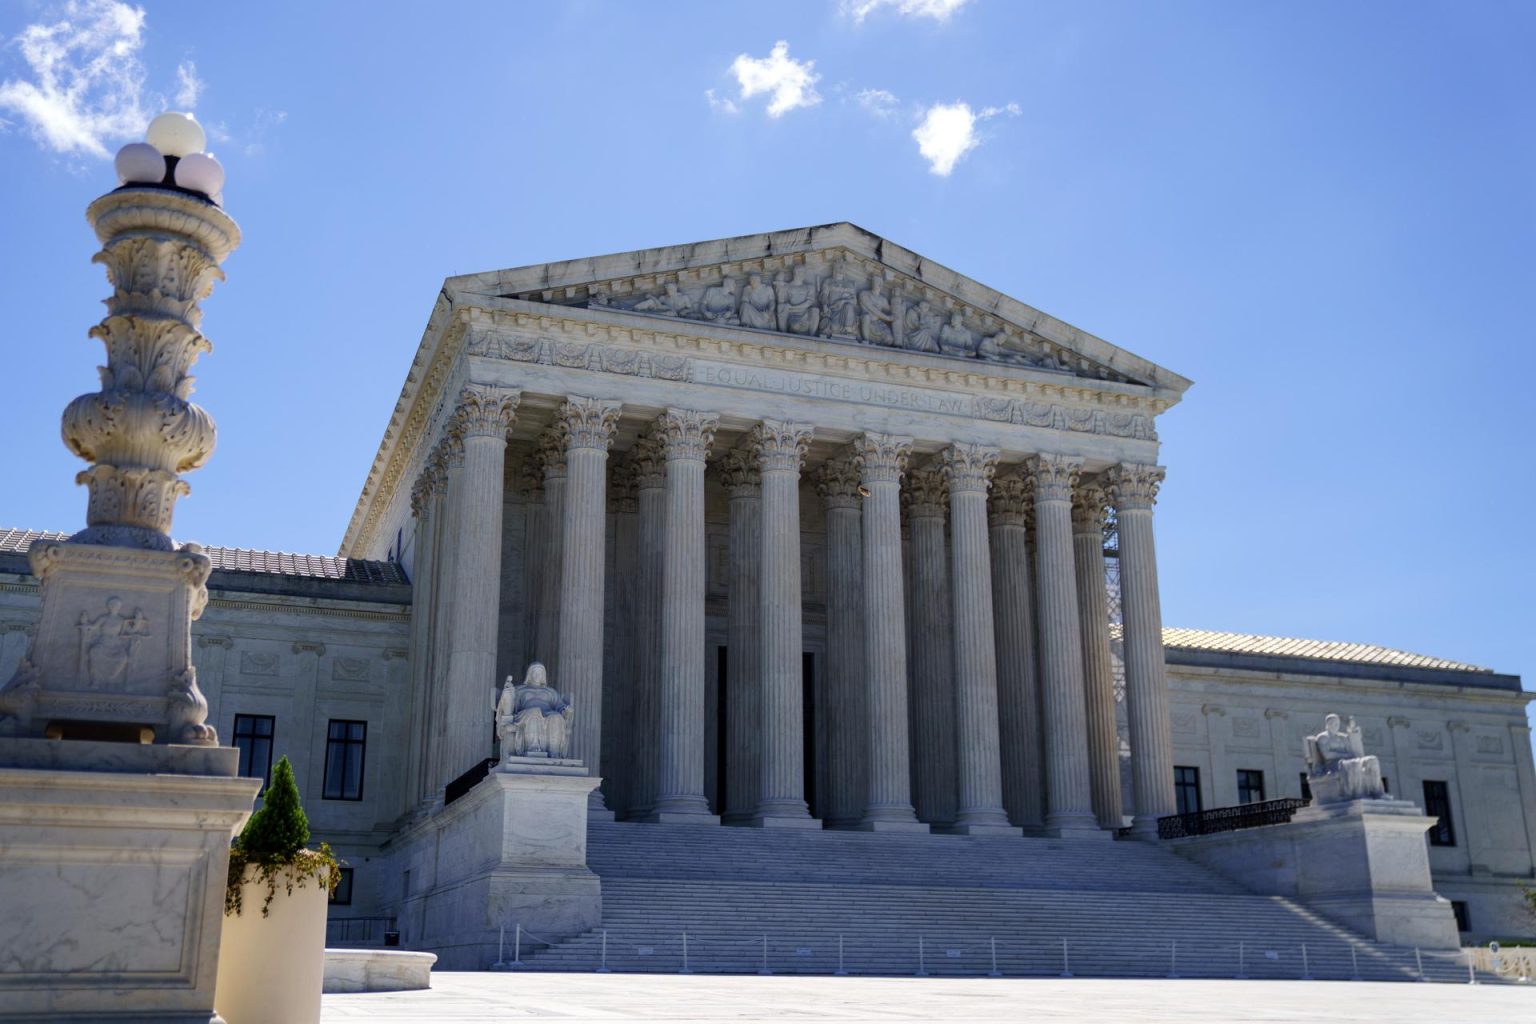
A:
(1306, 966)
(764, 969)
(1419, 959)
(841, 973)
(685, 969)
(1066, 965)
(1471, 974)
(922, 964)
(1173, 959)
(517, 949)
(1354, 962)
(1242, 966)
(995, 972)
(603, 967)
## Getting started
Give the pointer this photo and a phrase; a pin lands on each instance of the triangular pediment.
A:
(837, 283)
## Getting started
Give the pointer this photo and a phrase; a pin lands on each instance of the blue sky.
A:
(1322, 213)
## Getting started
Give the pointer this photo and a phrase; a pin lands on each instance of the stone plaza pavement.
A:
(486, 998)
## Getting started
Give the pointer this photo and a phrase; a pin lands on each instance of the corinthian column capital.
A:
(650, 461)
(1088, 508)
(1133, 486)
(837, 481)
(1053, 477)
(881, 458)
(780, 445)
(450, 454)
(485, 410)
(740, 474)
(548, 461)
(968, 468)
(925, 494)
(686, 433)
(1011, 501)
(588, 422)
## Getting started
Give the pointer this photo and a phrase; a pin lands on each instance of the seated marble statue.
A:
(1338, 768)
(532, 718)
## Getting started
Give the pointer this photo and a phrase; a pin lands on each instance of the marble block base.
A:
(801, 821)
(112, 878)
(985, 830)
(512, 851)
(682, 818)
(1364, 864)
(377, 970)
(882, 825)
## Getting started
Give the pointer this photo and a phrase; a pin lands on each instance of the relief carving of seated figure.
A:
(532, 718)
(1338, 768)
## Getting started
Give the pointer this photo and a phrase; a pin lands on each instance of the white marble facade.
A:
(813, 512)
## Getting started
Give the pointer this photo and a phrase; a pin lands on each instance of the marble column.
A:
(1069, 796)
(484, 415)
(844, 708)
(933, 699)
(1133, 489)
(586, 427)
(1018, 683)
(1098, 669)
(423, 499)
(881, 459)
(686, 436)
(550, 457)
(968, 470)
(621, 654)
(743, 652)
(932, 710)
(450, 470)
(649, 457)
(780, 449)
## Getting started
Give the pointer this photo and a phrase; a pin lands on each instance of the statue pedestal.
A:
(1362, 863)
(114, 866)
(512, 851)
(111, 658)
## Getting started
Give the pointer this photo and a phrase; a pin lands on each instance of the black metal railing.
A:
(367, 931)
(466, 782)
(1228, 819)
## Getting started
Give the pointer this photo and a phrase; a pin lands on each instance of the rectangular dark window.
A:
(1463, 922)
(1186, 788)
(1306, 787)
(1250, 786)
(253, 738)
(1386, 785)
(1437, 804)
(345, 743)
(342, 897)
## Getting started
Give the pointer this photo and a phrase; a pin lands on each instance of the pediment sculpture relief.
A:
(848, 301)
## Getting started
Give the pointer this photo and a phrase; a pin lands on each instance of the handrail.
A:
(1228, 819)
(466, 782)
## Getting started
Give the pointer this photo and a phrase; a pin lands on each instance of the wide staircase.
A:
(745, 901)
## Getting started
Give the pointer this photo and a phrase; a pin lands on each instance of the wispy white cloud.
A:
(188, 86)
(724, 104)
(879, 102)
(789, 83)
(947, 133)
(938, 10)
(85, 81)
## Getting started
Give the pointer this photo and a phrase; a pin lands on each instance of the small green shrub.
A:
(273, 841)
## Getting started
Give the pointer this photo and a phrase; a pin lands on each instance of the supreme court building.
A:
(812, 531)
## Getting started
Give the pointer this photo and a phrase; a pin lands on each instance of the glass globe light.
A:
(176, 134)
(200, 172)
(139, 163)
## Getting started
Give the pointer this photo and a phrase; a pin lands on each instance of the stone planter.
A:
(271, 968)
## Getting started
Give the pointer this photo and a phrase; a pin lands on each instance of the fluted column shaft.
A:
(743, 632)
(687, 437)
(780, 449)
(844, 708)
(586, 427)
(446, 511)
(968, 470)
(881, 460)
(1069, 796)
(1098, 668)
(651, 499)
(1018, 684)
(483, 417)
(423, 500)
(552, 463)
(932, 710)
(1133, 489)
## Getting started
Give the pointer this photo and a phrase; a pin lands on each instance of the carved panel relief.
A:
(258, 663)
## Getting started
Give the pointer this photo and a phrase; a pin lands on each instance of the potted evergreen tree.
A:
(272, 961)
